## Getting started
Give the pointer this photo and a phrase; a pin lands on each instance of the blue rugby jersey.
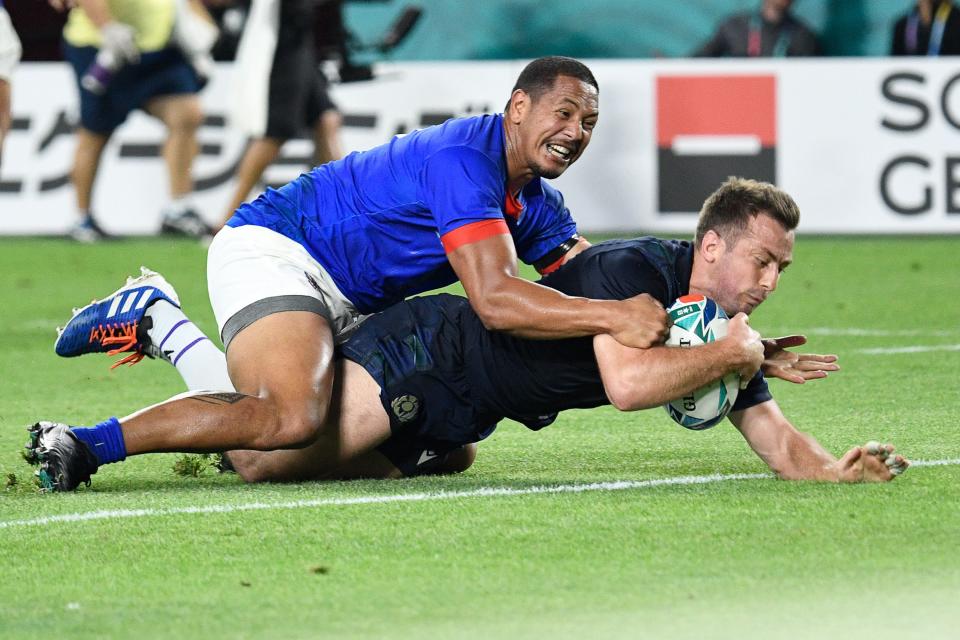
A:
(378, 220)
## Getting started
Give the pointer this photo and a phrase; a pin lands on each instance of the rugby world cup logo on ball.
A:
(697, 320)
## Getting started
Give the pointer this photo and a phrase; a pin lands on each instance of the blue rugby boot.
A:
(64, 460)
(117, 324)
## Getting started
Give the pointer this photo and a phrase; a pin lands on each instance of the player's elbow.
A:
(622, 403)
(498, 303)
(625, 396)
(493, 316)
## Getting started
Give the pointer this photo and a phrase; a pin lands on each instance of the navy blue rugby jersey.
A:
(528, 379)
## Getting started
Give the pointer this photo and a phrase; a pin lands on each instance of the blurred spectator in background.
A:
(230, 16)
(931, 29)
(9, 57)
(771, 32)
(130, 54)
(281, 89)
(39, 26)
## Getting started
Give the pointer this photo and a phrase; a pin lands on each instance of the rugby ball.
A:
(698, 320)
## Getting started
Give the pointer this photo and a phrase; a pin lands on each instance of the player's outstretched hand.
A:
(794, 367)
(873, 462)
(646, 323)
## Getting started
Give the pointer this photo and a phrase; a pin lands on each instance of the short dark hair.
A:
(539, 76)
(728, 209)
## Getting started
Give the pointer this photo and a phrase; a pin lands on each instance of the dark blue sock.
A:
(105, 440)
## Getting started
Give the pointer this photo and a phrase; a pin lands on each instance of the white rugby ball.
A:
(698, 320)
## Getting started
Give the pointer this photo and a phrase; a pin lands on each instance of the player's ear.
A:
(711, 246)
(519, 105)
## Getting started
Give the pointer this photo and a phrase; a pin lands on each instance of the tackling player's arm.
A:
(487, 267)
(794, 455)
(635, 379)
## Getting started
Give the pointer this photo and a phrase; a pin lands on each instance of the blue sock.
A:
(105, 440)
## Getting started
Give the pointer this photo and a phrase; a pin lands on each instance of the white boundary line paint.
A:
(883, 351)
(484, 492)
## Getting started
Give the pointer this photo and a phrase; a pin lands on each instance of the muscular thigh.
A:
(286, 356)
(356, 423)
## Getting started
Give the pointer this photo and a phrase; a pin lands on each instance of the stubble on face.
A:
(748, 267)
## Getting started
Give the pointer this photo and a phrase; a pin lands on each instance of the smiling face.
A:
(551, 131)
(740, 272)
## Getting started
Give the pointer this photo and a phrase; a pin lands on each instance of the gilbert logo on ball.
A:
(698, 320)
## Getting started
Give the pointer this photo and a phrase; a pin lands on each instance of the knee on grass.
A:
(291, 427)
(254, 466)
(458, 461)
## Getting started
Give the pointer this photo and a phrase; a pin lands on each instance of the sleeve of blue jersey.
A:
(546, 223)
(460, 185)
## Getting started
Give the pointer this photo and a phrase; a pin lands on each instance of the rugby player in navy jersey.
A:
(423, 381)
(295, 271)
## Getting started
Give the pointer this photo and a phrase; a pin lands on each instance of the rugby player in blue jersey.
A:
(421, 382)
(295, 271)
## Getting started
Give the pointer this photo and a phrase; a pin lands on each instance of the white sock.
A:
(200, 363)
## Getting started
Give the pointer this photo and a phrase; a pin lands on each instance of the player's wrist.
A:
(608, 316)
(731, 356)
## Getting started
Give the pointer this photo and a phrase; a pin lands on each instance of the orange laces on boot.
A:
(124, 335)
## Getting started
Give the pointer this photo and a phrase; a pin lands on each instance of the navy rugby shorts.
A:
(414, 352)
(159, 73)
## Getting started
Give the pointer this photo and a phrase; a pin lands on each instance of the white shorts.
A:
(253, 272)
(9, 46)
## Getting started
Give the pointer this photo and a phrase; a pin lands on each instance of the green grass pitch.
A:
(189, 557)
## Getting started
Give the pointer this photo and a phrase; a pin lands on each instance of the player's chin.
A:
(733, 309)
(749, 305)
(550, 172)
(553, 168)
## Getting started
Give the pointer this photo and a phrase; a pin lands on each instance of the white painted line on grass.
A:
(484, 492)
(934, 463)
(399, 497)
(883, 351)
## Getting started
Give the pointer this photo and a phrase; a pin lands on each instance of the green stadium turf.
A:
(167, 556)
